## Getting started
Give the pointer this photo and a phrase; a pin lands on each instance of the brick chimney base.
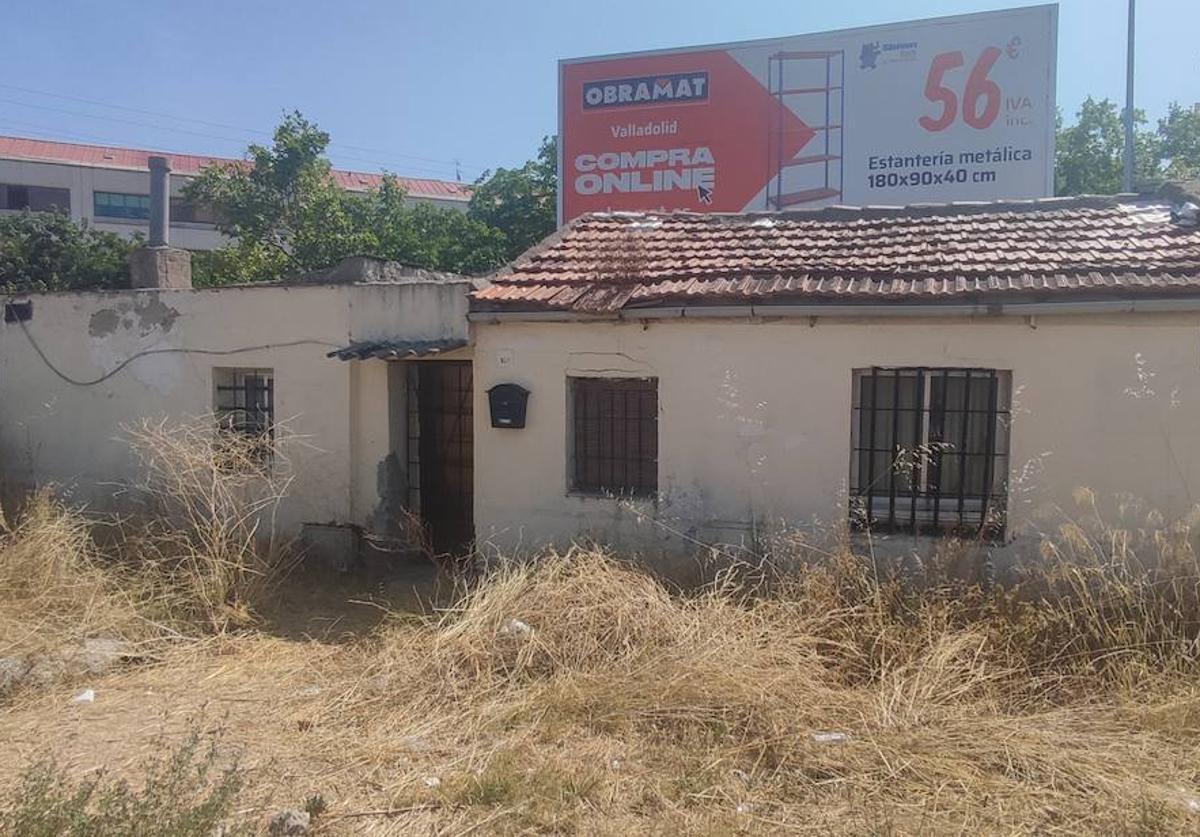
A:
(160, 267)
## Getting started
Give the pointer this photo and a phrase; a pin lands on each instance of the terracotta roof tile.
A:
(1053, 249)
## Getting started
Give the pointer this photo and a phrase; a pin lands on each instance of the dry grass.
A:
(206, 537)
(577, 694)
(54, 587)
(190, 562)
(624, 708)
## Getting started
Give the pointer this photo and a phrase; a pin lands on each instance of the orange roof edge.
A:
(116, 157)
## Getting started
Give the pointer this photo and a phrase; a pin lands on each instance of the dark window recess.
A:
(121, 205)
(245, 406)
(34, 198)
(185, 212)
(615, 422)
(412, 381)
(930, 450)
(18, 312)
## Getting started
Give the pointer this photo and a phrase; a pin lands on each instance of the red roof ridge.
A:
(122, 157)
(842, 212)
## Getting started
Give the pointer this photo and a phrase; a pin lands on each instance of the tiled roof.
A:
(1049, 249)
(103, 156)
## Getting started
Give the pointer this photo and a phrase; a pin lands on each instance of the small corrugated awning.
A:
(396, 349)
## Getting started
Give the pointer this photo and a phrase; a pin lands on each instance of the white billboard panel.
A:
(957, 108)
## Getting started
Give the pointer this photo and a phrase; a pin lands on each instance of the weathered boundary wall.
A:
(158, 349)
(755, 418)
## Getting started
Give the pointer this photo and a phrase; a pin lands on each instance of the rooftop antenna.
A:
(1129, 102)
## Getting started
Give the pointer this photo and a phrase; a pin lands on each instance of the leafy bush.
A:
(47, 251)
(286, 215)
(520, 202)
(184, 793)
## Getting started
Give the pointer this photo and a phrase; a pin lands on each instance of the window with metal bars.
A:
(930, 450)
(615, 436)
(244, 403)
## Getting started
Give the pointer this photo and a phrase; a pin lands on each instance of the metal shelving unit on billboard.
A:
(833, 152)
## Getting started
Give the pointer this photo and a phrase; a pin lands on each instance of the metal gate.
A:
(441, 451)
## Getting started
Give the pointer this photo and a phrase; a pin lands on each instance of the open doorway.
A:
(441, 451)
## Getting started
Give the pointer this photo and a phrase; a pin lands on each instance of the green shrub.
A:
(184, 793)
(47, 251)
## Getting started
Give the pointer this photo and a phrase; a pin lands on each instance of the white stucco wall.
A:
(755, 418)
(53, 431)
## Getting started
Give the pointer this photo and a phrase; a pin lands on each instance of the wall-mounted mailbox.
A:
(507, 403)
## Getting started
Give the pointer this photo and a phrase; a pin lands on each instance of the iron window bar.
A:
(615, 435)
(440, 450)
(246, 407)
(930, 450)
(413, 435)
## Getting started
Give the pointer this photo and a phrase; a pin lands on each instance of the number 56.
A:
(979, 86)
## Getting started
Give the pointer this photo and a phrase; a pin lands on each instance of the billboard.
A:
(955, 108)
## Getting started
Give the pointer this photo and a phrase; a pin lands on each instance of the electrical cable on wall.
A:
(171, 351)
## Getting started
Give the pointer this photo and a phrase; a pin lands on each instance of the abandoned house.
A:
(657, 381)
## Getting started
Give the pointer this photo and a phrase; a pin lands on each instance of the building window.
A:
(185, 212)
(615, 438)
(930, 450)
(121, 205)
(244, 403)
(34, 198)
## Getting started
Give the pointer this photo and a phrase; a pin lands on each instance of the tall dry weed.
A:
(55, 585)
(578, 694)
(206, 535)
(193, 560)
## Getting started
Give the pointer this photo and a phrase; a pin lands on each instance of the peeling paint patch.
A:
(104, 322)
(155, 314)
(147, 313)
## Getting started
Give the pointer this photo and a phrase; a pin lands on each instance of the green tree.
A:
(47, 251)
(1089, 153)
(522, 203)
(1179, 132)
(287, 215)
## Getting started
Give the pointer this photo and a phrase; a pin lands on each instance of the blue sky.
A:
(411, 87)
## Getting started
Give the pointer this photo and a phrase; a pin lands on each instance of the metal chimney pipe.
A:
(1127, 183)
(160, 201)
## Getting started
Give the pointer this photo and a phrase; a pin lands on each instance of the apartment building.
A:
(109, 187)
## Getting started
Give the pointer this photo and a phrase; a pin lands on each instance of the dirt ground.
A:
(584, 698)
(264, 693)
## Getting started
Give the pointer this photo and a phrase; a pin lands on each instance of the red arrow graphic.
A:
(712, 154)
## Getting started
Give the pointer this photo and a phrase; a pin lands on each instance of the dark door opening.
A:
(441, 451)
